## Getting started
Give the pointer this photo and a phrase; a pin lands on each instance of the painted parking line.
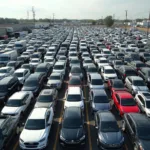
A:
(87, 120)
(58, 128)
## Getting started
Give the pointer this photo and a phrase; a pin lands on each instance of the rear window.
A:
(101, 99)
(73, 98)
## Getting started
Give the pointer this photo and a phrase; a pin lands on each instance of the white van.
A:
(20, 46)
(8, 56)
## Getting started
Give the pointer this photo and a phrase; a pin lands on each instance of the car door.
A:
(141, 103)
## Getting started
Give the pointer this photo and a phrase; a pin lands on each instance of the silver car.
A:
(135, 84)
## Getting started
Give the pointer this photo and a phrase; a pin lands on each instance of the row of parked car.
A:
(85, 57)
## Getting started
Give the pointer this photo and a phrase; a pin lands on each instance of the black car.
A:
(125, 71)
(109, 136)
(137, 127)
(34, 83)
(119, 55)
(145, 74)
(21, 60)
(44, 68)
(127, 60)
(72, 133)
(28, 66)
(137, 65)
(76, 71)
(8, 86)
(8, 129)
(139, 44)
(134, 56)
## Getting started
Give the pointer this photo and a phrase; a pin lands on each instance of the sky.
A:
(75, 9)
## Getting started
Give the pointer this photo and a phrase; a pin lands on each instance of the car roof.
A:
(74, 90)
(19, 95)
(95, 76)
(107, 67)
(38, 113)
(100, 92)
(135, 78)
(5, 80)
(140, 120)
(124, 94)
(20, 70)
(72, 112)
(106, 116)
(55, 74)
(34, 76)
(47, 92)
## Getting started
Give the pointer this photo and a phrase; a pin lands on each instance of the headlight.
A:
(62, 138)
(21, 140)
(82, 138)
(42, 140)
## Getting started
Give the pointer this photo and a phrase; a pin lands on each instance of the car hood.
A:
(32, 135)
(145, 144)
(45, 105)
(110, 75)
(102, 106)
(26, 88)
(11, 110)
(112, 137)
(53, 81)
(128, 109)
(75, 104)
(97, 86)
(72, 134)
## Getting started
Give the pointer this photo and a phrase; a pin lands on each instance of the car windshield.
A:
(58, 67)
(72, 123)
(35, 61)
(130, 73)
(75, 70)
(4, 58)
(97, 82)
(123, 45)
(109, 126)
(45, 98)
(118, 84)
(139, 83)
(103, 61)
(73, 98)
(31, 83)
(75, 82)
(18, 45)
(106, 52)
(14, 103)
(109, 71)
(128, 102)
(18, 74)
(11, 64)
(3, 70)
(75, 61)
(35, 124)
(120, 54)
(3, 88)
(118, 63)
(92, 70)
(140, 65)
(54, 78)
(88, 61)
(41, 70)
(144, 132)
(101, 99)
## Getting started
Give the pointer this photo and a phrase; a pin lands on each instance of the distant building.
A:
(146, 23)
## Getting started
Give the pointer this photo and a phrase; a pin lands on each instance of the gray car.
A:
(99, 100)
(135, 84)
(47, 98)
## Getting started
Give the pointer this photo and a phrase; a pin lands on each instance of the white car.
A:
(18, 103)
(143, 100)
(22, 74)
(108, 73)
(6, 71)
(50, 60)
(60, 67)
(37, 129)
(133, 47)
(35, 62)
(106, 52)
(74, 97)
(102, 62)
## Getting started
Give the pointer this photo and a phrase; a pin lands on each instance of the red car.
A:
(116, 84)
(124, 102)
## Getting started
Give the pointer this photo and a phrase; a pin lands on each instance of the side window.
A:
(130, 80)
(141, 99)
(47, 117)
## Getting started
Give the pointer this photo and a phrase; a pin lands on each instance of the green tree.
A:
(109, 21)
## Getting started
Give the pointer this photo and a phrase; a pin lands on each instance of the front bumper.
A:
(72, 143)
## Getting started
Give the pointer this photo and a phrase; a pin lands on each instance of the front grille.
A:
(31, 145)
